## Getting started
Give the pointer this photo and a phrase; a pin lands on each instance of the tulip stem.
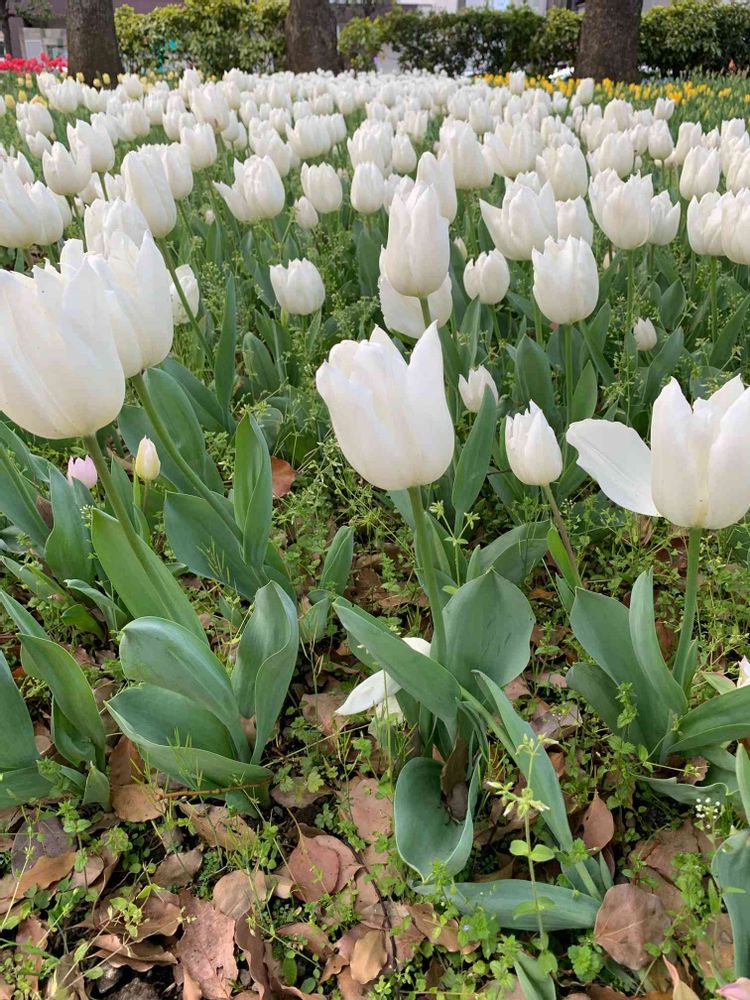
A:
(165, 438)
(165, 252)
(681, 667)
(426, 318)
(567, 333)
(714, 300)
(631, 289)
(563, 532)
(426, 565)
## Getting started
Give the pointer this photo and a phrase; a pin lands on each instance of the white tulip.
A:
(257, 193)
(704, 224)
(62, 376)
(664, 219)
(644, 332)
(523, 223)
(190, 290)
(565, 168)
(623, 208)
(146, 186)
(439, 173)
(322, 187)
(403, 313)
(391, 419)
(472, 390)
(304, 213)
(573, 219)
(368, 189)
(103, 219)
(415, 224)
(735, 226)
(566, 280)
(697, 471)
(701, 172)
(532, 449)
(298, 287)
(487, 278)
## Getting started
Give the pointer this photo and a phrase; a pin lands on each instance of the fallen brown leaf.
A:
(218, 828)
(282, 476)
(315, 867)
(598, 825)
(177, 870)
(136, 803)
(371, 813)
(629, 919)
(369, 955)
(239, 892)
(206, 948)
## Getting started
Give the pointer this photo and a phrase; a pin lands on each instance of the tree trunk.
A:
(311, 37)
(5, 27)
(92, 40)
(608, 46)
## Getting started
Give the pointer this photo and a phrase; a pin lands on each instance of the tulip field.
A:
(374, 539)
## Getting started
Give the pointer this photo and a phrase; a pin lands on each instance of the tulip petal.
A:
(729, 466)
(372, 691)
(618, 459)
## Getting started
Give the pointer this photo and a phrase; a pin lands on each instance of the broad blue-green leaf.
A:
(54, 665)
(145, 585)
(160, 653)
(18, 501)
(718, 720)
(534, 378)
(17, 746)
(570, 910)
(731, 869)
(527, 750)
(253, 490)
(426, 834)
(515, 553)
(646, 645)
(266, 657)
(601, 624)
(488, 624)
(68, 548)
(224, 366)
(22, 786)
(205, 543)
(474, 459)
(184, 743)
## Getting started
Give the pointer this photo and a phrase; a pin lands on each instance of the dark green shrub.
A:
(212, 35)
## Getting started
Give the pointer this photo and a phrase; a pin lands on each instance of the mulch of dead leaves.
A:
(218, 937)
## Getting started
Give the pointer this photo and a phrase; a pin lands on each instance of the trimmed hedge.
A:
(212, 35)
(474, 41)
(685, 37)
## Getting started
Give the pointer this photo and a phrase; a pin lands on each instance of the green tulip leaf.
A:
(144, 592)
(426, 834)
(266, 658)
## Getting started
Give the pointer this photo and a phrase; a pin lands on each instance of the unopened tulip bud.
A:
(566, 280)
(304, 213)
(147, 464)
(487, 278)
(84, 470)
(644, 332)
(298, 287)
(190, 290)
(533, 452)
(472, 390)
